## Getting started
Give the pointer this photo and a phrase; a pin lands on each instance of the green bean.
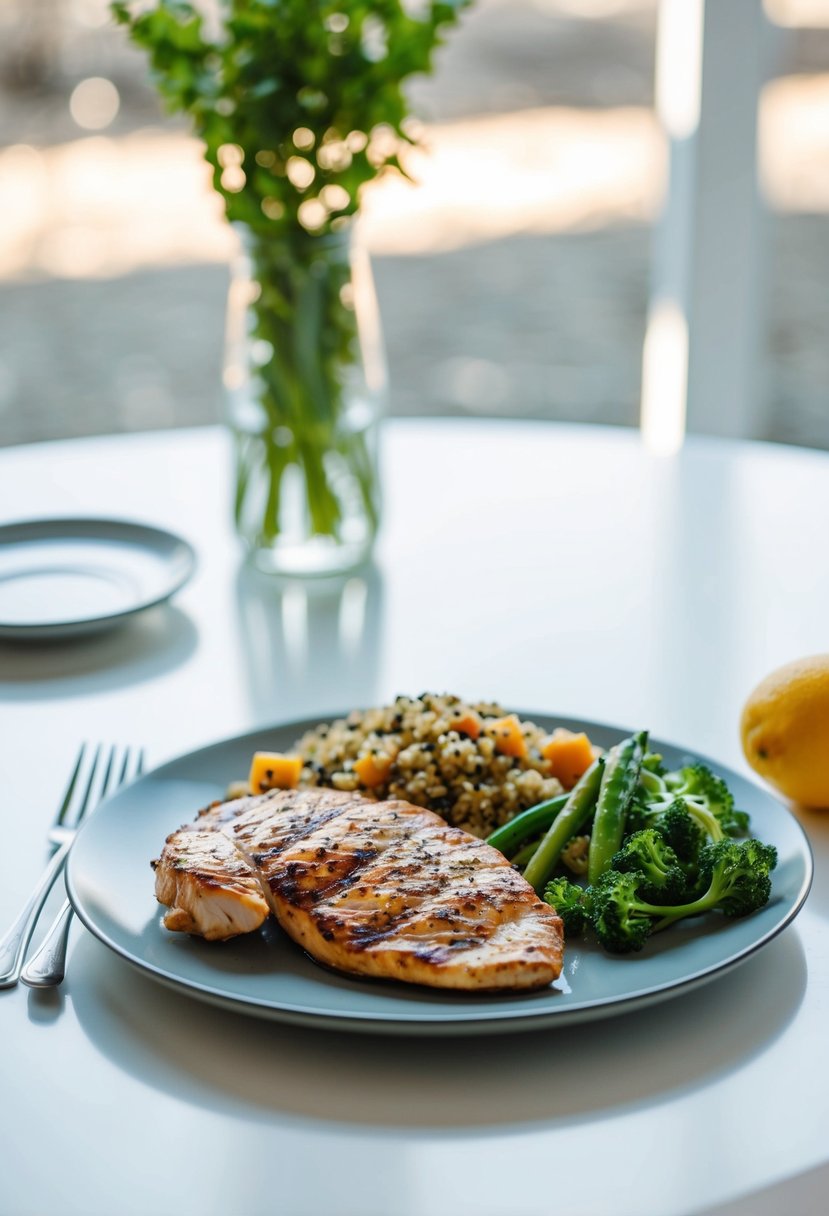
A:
(569, 822)
(619, 782)
(529, 823)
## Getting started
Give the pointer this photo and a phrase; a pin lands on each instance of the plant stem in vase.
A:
(299, 104)
(305, 382)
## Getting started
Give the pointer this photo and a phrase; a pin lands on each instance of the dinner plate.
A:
(111, 887)
(62, 577)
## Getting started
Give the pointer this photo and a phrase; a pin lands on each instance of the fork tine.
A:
(48, 965)
(70, 789)
(13, 945)
(109, 780)
(90, 783)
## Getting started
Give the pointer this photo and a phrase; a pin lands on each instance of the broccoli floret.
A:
(737, 873)
(621, 920)
(649, 854)
(706, 792)
(647, 812)
(571, 902)
(698, 779)
(705, 797)
(681, 831)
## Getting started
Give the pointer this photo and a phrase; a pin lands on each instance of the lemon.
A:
(785, 730)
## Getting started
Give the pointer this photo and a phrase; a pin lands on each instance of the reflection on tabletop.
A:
(310, 644)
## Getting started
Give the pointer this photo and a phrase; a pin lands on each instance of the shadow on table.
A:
(235, 1064)
(142, 648)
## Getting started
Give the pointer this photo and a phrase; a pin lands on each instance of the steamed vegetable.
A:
(660, 848)
(529, 823)
(569, 755)
(570, 820)
(705, 797)
(373, 768)
(737, 877)
(648, 854)
(570, 901)
(274, 771)
(508, 736)
(619, 782)
(469, 724)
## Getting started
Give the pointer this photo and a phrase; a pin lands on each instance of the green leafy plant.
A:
(299, 105)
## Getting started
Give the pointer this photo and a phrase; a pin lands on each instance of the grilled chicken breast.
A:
(208, 886)
(383, 889)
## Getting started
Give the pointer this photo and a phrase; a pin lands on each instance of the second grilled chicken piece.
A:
(208, 886)
(387, 889)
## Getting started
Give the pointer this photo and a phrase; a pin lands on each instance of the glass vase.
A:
(305, 384)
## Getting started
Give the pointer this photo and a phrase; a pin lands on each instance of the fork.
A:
(101, 779)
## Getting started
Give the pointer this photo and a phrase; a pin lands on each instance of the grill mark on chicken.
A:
(387, 889)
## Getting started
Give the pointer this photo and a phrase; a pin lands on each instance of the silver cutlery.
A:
(88, 785)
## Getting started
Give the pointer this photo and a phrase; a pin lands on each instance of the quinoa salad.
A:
(473, 763)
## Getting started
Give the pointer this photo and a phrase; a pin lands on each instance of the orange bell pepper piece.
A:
(508, 736)
(568, 755)
(274, 771)
(467, 724)
(372, 769)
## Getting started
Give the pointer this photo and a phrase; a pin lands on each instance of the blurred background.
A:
(513, 279)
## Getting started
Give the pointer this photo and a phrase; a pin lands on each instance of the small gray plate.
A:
(63, 577)
(110, 884)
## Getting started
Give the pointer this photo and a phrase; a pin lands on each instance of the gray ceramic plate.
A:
(111, 886)
(62, 577)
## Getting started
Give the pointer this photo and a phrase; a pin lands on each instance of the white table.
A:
(556, 568)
